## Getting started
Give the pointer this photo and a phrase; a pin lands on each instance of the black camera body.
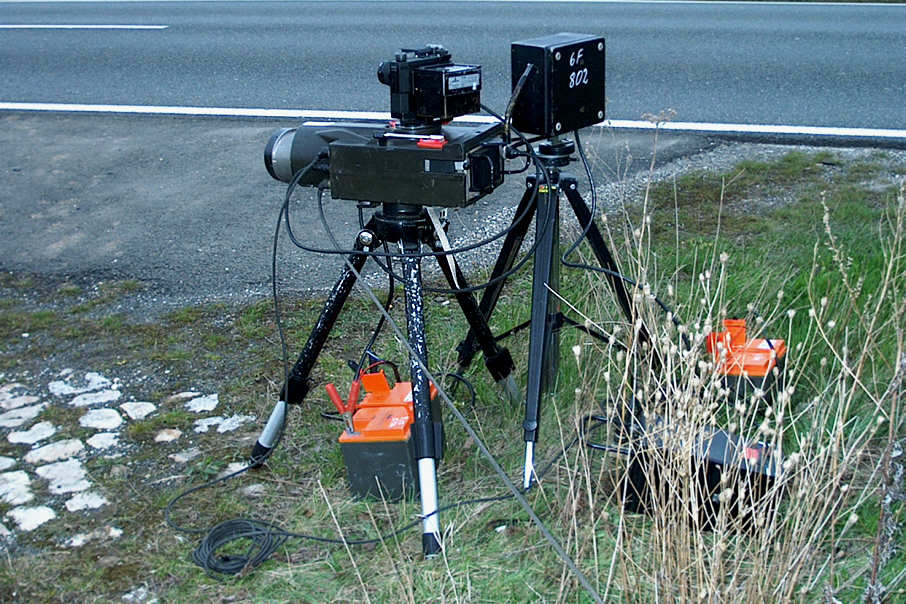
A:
(374, 160)
(452, 169)
(416, 158)
(427, 88)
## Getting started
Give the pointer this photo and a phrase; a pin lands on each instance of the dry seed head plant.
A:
(834, 425)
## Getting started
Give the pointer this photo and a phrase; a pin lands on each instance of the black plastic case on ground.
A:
(390, 463)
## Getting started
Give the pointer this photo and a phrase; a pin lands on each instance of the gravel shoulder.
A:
(184, 206)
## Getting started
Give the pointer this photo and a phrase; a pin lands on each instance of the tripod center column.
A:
(428, 443)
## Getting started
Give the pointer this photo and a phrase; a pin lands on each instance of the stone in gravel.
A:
(253, 490)
(138, 410)
(138, 594)
(39, 431)
(202, 425)
(31, 518)
(167, 435)
(64, 476)
(6, 463)
(15, 488)
(10, 391)
(182, 396)
(104, 440)
(185, 456)
(80, 539)
(17, 417)
(101, 419)
(7, 389)
(85, 501)
(77, 540)
(54, 451)
(96, 398)
(202, 403)
(93, 381)
(18, 401)
(233, 422)
(232, 468)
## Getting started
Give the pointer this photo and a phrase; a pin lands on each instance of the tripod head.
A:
(556, 153)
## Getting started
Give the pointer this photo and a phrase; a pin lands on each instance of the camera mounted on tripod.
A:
(419, 157)
(416, 157)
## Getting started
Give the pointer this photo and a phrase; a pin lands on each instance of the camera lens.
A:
(383, 73)
(278, 154)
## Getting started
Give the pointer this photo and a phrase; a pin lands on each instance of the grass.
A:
(762, 239)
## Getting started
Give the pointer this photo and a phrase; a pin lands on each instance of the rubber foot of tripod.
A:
(259, 455)
(430, 545)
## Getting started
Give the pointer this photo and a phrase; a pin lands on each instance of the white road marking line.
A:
(694, 127)
(797, 3)
(766, 129)
(207, 111)
(76, 26)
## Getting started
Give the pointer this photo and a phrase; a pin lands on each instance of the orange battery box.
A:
(381, 449)
(747, 364)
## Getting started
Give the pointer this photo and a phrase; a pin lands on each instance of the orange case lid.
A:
(754, 357)
(375, 382)
(385, 414)
(380, 424)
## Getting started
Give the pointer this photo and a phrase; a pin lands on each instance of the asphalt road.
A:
(803, 64)
(185, 205)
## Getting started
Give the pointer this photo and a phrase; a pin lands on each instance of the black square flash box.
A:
(564, 90)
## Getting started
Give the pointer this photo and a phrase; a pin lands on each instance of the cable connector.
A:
(348, 408)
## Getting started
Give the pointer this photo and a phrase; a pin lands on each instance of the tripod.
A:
(408, 226)
(546, 318)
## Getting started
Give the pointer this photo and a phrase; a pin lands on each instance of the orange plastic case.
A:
(380, 454)
(747, 366)
(385, 414)
(753, 358)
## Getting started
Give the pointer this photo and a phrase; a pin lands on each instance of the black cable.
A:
(594, 204)
(511, 105)
(346, 252)
(266, 538)
(376, 255)
(278, 318)
(439, 290)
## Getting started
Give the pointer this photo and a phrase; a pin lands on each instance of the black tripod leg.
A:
(600, 249)
(297, 386)
(505, 259)
(428, 428)
(543, 339)
(497, 359)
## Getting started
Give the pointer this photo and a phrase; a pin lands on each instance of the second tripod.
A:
(542, 200)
